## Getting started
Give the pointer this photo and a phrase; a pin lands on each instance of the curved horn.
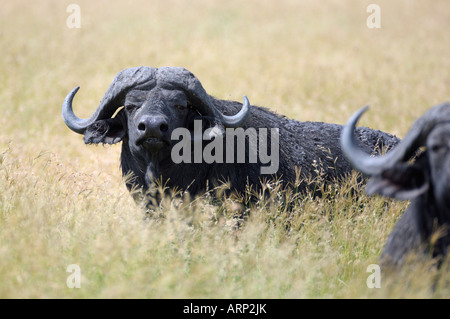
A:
(239, 118)
(145, 78)
(139, 77)
(414, 139)
(72, 121)
(183, 78)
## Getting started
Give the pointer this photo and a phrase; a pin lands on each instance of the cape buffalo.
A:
(172, 130)
(417, 169)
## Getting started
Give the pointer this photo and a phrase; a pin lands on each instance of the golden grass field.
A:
(63, 203)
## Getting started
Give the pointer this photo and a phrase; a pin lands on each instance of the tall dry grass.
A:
(64, 203)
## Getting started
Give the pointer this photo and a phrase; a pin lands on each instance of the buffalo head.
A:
(396, 174)
(155, 102)
(418, 168)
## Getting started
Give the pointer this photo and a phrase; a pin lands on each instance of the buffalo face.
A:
(418, 164)
(417, 169)
(438, 146)
(151, 118)
(142, 107)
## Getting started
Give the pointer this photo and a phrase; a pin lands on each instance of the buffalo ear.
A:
(403, 181)
(109, 131)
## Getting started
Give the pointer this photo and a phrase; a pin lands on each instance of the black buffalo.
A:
(158, 102)
(417, 169)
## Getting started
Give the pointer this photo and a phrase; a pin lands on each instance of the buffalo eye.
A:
(438, 148)
(180, 107)
(131, 107)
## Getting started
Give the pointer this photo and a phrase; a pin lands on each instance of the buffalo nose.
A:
(152, 126)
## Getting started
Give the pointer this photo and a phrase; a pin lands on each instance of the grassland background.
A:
(64, 203)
